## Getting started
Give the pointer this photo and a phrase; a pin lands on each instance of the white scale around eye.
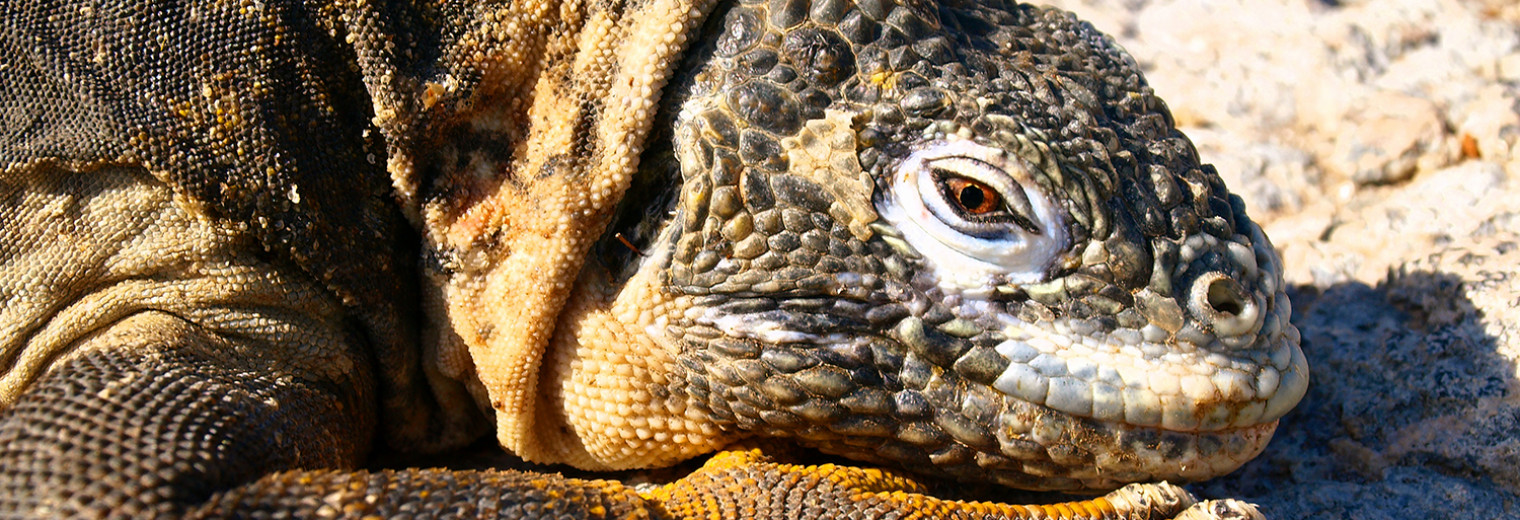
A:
(933, 224)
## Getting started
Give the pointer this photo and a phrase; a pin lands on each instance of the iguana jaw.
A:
(1129, 378)
(948, 416)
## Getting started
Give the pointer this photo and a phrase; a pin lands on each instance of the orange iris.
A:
(974, 197)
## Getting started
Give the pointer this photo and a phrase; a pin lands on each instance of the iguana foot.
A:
(425, 493)
(745, 483)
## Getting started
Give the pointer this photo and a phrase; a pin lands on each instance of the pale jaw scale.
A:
(1198, 391)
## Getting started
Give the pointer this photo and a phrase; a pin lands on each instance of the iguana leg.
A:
(426, 493)
(154, 363)
(164, 427)
(744, 483)
(159, 425)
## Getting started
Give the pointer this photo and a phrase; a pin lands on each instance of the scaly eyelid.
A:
(1013, 197)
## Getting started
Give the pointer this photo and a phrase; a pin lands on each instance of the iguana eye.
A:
(976, 213)
(976, 197)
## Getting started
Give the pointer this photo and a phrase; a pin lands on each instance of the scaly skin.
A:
(243, 242)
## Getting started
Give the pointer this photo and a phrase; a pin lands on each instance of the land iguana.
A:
(244, 243)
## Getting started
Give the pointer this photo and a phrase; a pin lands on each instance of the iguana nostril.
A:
(1225, 298)
(1224, 305)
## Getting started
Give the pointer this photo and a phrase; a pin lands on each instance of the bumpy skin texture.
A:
(244, 242)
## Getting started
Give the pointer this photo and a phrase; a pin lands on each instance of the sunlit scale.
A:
(1149, 384)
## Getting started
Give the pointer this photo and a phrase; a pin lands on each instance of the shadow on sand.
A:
(1411, 410)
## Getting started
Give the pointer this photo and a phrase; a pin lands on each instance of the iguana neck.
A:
(509, 254)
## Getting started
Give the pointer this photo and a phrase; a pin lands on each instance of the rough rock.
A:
(1379, 145)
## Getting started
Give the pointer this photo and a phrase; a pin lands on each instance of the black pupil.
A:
(972, 197)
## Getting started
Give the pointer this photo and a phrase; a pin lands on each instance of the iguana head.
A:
(959, 237)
